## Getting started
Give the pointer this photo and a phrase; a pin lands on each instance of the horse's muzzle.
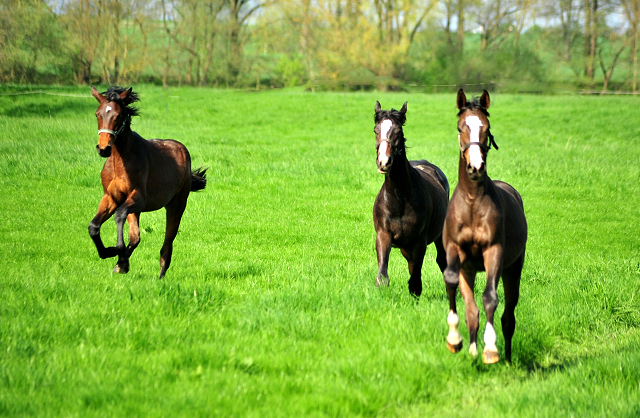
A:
(384, 164)
(104, 152)
(383, 169)
(476, 173)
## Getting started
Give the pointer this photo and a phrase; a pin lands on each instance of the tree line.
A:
(518, 44)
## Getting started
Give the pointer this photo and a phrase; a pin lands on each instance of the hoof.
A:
(122, 268)
(454, 348)
(382, 282)
(415, 291)
(490, 357)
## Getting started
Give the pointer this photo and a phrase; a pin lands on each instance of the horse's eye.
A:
(459, 130)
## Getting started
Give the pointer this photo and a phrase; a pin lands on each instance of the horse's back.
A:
(515, 222)
(432, 174)
(438, 189)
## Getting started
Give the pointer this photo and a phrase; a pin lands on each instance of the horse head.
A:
(389, 136)
(474, 135)
(113, 114)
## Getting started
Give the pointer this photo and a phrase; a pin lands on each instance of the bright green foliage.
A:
(269, 307)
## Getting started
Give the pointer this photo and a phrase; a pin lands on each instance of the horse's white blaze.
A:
(490, 338)
(108, 109)
(382, 152)
(475, 155)
(385, 127)
(454, 336)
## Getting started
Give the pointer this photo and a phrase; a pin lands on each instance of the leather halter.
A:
(483, 147)
(127, 121)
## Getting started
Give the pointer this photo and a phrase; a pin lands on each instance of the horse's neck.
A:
(473, 190)
(124, 150)
(398, 178)
(124, 144)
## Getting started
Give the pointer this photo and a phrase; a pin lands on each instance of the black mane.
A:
(396, 116)
(113, 94)
(474, 104)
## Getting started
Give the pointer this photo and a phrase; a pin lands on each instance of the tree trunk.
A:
(591, 37)
(460, 26)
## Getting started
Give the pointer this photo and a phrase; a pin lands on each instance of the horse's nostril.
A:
(104, 152)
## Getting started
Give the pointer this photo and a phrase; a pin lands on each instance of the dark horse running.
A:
(411, 206)
(138, 176)
(485, 230)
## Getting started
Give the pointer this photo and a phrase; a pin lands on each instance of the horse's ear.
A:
(404, 108)
(461, 101)
(126, 93)
(485, 102)
(99, 97)
(378, 107)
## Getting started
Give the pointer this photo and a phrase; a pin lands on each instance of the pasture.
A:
(269, 307)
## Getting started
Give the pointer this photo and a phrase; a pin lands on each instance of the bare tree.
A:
(240, 12)
(193, 25)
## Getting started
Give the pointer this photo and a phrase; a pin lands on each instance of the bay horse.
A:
(139, 175)
(410, 208)
(485, 230)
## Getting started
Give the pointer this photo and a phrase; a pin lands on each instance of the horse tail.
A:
(198, 178)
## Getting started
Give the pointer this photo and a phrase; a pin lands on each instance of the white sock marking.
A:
(454, 336)
(489, 337)
(473, 349)
(474, 124)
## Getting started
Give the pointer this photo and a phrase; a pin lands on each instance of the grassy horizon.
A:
(269, 307)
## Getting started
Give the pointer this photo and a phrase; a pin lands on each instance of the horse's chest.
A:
(404, 228)
(118, 189)
(473, 241)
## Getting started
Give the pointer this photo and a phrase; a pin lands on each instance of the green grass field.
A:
(269, 307)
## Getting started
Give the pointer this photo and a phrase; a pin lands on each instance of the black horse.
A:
(411, 206)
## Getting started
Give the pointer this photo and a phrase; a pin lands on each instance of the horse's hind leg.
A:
(133, 205)
(472, 314)
(133, 219)
(175, 209)
(441, 254)
(415, 258)
(493, 266)
(511, 284)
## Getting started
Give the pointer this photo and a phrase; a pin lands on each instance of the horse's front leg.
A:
(493, 266)
(383, 250)
(106, 208)
(130, 211)
(451, 273)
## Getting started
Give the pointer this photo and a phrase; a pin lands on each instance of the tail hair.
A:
(198, 178)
